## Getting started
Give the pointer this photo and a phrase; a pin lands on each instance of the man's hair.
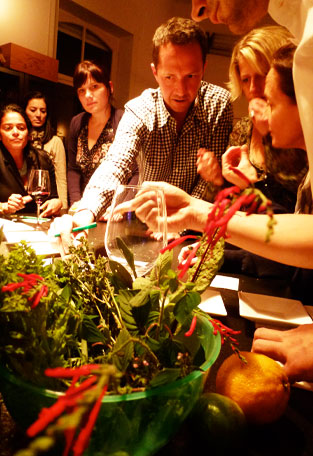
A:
(179, 31)
(282, 63)
(257, 48)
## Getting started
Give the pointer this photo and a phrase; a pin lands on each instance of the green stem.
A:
(140, 342)
(161, 314)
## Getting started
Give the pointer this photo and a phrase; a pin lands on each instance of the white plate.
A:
(223, 281)
(212, 303)
(273, 310)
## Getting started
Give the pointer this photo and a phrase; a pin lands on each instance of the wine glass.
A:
(39, 188)
(126, 230)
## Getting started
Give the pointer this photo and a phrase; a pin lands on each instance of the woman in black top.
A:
(17, 158)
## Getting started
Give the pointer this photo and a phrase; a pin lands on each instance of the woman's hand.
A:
(258, 113)
(238, 157)
(293, 348)
(208, 167)
(50, 207)
(15, 203)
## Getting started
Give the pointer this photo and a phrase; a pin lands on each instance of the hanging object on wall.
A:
(22, 59)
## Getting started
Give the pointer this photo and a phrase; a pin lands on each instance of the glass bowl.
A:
(136, 424)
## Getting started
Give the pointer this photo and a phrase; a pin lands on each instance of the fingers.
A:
(208, 167)
(269, 342)
(15, 203)
(63, 226)
(238, 157)
(259, 108)
(27, 199)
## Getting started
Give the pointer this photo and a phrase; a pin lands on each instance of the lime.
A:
(217, 422)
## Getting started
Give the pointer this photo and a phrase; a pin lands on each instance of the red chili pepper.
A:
(192, 327)
(69, 438)
(240, 174)
(13, 286)
(84, 436)
(226, 192)
(74, 390)
(37, 297)
(178, 241)
(46, 416)
(67, 372)
(187, 263)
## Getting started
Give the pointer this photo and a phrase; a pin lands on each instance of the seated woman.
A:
(276, 172)
(42, 137)
(91, 132)
(17, 158)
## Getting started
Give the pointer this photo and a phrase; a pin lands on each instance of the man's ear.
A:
(111, 87)
(204, 67)
(154, 71)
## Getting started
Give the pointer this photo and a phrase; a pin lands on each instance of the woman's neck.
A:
(100, 118)
(18, 157)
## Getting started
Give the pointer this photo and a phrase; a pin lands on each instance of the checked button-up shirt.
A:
(147, 135)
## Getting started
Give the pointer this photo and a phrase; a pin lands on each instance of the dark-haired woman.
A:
(91, 132)
(43, 137)
(17, 158)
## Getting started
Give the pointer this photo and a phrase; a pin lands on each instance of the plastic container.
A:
(136, 424)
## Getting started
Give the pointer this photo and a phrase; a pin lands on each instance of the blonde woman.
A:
(276, 172)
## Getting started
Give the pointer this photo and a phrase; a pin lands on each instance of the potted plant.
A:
(131, 355)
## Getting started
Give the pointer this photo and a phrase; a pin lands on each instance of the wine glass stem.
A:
(38, 213)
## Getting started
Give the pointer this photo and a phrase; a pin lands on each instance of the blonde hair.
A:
(257, 47)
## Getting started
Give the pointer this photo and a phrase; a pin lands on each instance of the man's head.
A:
(239, 15)
(178, 31)
(179, 51)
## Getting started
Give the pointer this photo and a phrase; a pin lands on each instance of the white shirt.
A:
(297, 17)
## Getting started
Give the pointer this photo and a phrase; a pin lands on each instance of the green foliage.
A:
(95, 312)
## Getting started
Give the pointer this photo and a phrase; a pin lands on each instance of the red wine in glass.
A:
(39, 187)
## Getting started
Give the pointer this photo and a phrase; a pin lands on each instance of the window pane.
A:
(68, 53)
(9, 88)
(98, 55)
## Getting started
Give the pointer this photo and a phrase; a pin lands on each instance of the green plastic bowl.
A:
(136, 424)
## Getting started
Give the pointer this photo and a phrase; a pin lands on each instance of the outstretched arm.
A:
(291, 243)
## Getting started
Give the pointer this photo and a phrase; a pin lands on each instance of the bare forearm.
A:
(291, 242)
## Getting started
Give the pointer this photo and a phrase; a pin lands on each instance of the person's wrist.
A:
(83, 217)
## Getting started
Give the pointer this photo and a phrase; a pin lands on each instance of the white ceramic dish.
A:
(272, 310)
(212, 303)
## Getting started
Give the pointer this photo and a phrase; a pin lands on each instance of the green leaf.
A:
(165, 376)
(123, 350)
(128, 254)
(91, 333)
(141, 298)
(124, 279)
(123, 300)
(162, 266)
(210, 266)
(66, 293)
(186, 305)
(142, 283)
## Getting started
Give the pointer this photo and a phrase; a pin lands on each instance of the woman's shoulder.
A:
(116, 115)
(79, 121)
(241, 132)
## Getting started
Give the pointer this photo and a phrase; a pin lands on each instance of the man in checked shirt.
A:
(163, 129)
